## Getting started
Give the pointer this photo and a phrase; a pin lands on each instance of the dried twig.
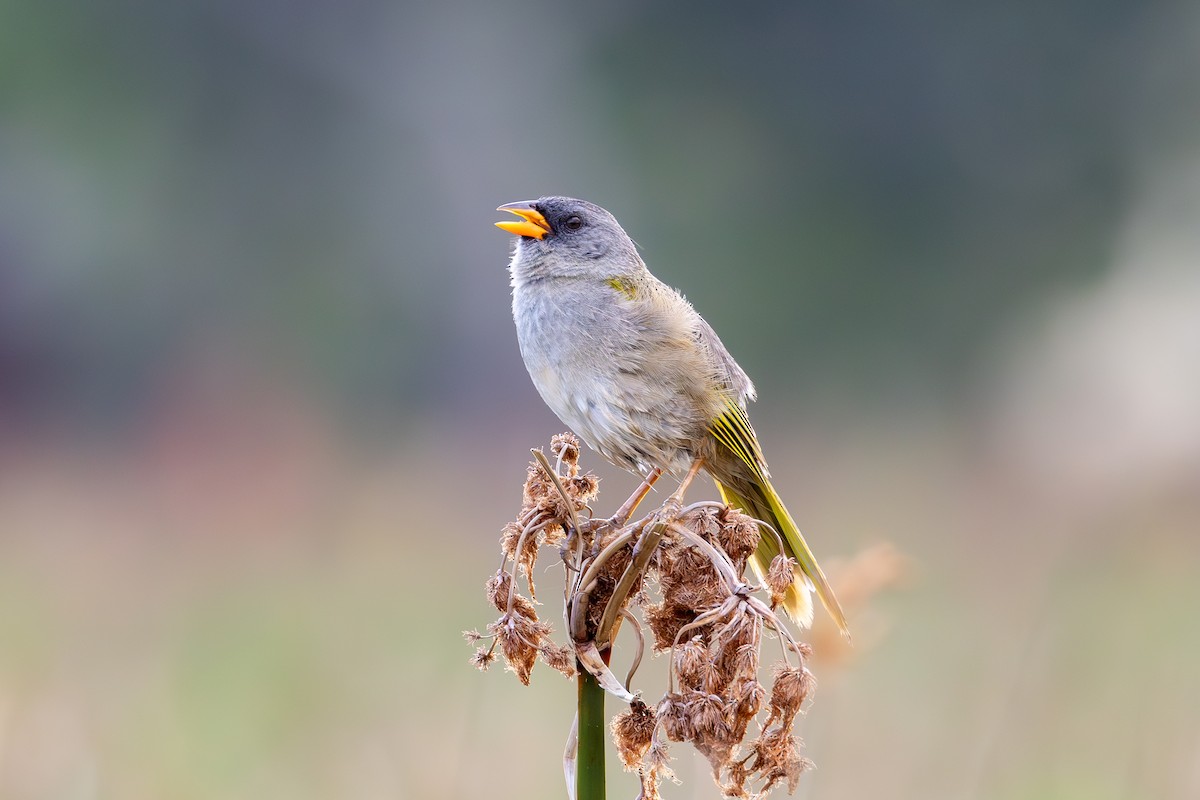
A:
(642, 551)
(553, 473)
(641, 647)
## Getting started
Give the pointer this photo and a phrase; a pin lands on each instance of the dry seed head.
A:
(519, 654)
(691, 592)
(553, 536)
(712, 679)
(780, 576)
(656, 766)
(722, 652)
(744, 660)
(498, 587)
(607, 578)
(658, 759)
(738, 629)
(565, 446)
(688, 578)
(582, 488)
(632, 731)
(687, 563)
(777, 758)
(703, 522)
(483, 658)
(700, 592)
(558, 658)
(719, 752)
(537, 489)
(716, 666)
(739, 773)
(676, 719)
(541, 497)
(746, 696)
(690, 660)
(791, 688)
(510, 535)
(510, 540)
(520, 636)
(738, 724)
(528, 627)
(665, 621)
(708, 715)
(738, 535)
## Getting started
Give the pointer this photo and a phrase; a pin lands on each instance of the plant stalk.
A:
(589, 769)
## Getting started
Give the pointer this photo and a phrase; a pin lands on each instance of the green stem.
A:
(589, 767)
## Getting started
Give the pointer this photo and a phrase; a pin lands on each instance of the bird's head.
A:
(565, 237)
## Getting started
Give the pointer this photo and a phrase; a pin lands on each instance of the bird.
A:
(631, 367)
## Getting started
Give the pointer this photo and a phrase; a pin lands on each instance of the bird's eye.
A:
(573, 223)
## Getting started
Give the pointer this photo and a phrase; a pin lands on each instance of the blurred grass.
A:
(964, 243)
(308, 645)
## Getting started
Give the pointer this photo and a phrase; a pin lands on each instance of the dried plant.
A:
(684, 569)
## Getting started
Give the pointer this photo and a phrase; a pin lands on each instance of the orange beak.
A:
(531, 224)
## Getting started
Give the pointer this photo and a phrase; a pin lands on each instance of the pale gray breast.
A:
(634, 378)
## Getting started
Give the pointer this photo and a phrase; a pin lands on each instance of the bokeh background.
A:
(262, 414)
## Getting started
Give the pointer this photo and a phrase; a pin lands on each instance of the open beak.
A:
(531, 224)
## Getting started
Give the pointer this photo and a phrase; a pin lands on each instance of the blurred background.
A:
(262, 414)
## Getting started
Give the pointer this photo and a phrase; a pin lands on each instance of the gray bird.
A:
(628, 364)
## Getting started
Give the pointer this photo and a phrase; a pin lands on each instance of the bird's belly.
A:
(628, 434)
(613, 390)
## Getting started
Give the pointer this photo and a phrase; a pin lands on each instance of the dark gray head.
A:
(565, 237)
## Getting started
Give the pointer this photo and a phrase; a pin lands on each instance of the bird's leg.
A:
(675, 501)
(687, 480)
(626, 511)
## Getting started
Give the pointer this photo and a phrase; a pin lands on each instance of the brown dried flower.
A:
(779, 577)
(691, 661)
(483, 658)
(665, 621)
(656, 767)
(739, 535)
(749, 694)
(676, 719)
(777, 758)
(791, 688)
(565, 446)
(543, 500)
(708, 715)
(499, 588)
(632, 731)
(520, 637)
(685, 569)
(558, 658)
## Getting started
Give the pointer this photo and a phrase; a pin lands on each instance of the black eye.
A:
(573, 223)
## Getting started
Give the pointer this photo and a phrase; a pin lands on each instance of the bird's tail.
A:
(759, 500)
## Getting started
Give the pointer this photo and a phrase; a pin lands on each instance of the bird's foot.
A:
(670, 510)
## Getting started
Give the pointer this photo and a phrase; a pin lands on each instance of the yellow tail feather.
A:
(764, 504)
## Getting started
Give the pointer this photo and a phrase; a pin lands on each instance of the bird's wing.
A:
(758, 497)
(732, 429)
(725, 371)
